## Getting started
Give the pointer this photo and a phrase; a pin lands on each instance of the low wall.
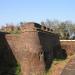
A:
(68, 45)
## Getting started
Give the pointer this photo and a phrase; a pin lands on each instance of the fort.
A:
(34, 49)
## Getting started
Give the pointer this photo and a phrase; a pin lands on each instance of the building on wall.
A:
(33, 27)
(30, 26)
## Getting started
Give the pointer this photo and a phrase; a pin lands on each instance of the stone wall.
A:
(36, 52)
(69, 46)
(34, 48)
(27, 49)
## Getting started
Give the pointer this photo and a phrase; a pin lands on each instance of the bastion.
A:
(34, 48)
(30, 48)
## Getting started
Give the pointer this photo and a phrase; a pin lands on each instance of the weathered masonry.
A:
(34, 49)
(69, 46)
(29, 48)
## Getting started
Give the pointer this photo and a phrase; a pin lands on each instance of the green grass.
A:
(18, 70)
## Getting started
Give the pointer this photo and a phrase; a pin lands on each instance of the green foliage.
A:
(15, 32)
(14, 70)
(18, 70)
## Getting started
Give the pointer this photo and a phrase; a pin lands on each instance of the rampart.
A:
(31, 48)
(34, 49)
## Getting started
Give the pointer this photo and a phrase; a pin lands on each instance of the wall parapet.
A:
(67, 40)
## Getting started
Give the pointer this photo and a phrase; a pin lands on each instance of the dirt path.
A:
(70, 68)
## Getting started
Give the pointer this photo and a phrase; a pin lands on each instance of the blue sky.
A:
(15, 11)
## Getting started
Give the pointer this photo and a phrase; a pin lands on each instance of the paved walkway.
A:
(70, 68)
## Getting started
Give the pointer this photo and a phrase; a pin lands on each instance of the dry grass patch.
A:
(58, 66)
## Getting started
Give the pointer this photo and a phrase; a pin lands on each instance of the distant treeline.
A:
(65, 30)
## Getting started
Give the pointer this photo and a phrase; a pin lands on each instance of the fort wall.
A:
(35, 48)
(69, 46)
